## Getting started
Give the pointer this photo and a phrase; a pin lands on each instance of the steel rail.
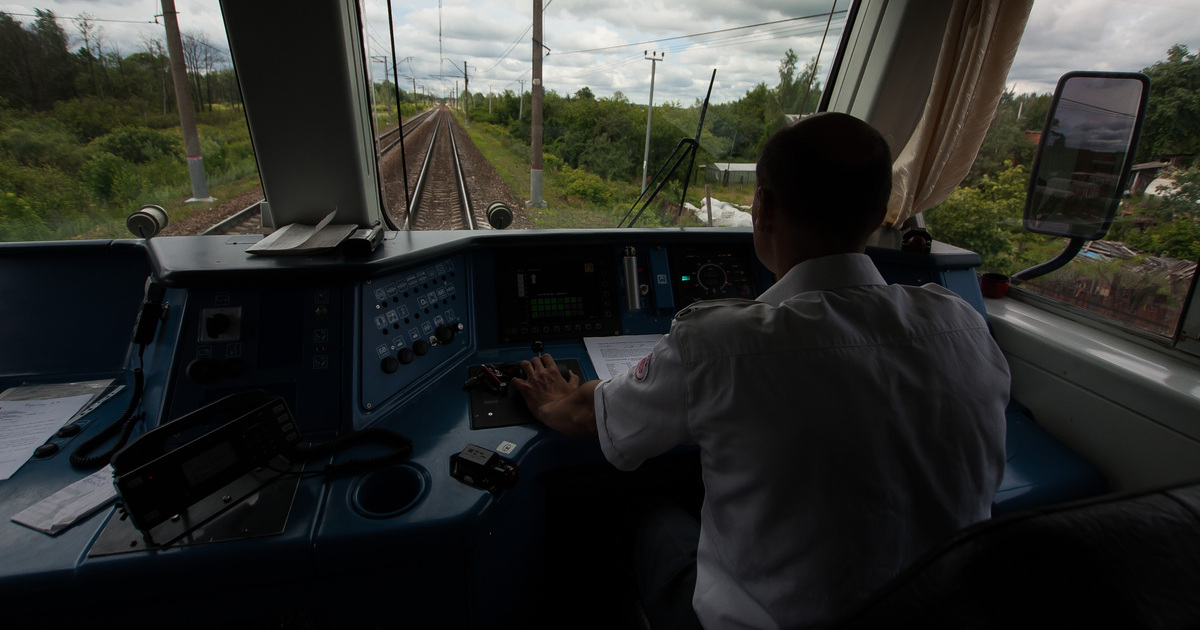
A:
(468, 218)
(238, 217)
(422, 179)
(414, 122)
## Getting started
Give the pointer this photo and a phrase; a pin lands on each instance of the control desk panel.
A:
(415, 320)
(386, 341)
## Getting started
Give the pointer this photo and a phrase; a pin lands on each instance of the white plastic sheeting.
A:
(724, 214)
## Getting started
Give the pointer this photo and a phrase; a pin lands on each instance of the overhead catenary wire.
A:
(789, 28)
(694, 35)
(80, 17)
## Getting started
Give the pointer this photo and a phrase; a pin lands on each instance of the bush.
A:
(985, 219)
(138, 145)
(552, 162)
(102, 174)
(41, 143)
(18, 222)
(586, 186)
(89, 118)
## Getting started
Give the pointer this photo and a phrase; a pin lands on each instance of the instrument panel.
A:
(414, 320)
(716, 272)
(556, 293)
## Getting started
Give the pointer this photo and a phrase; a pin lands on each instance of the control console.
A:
(412, 320)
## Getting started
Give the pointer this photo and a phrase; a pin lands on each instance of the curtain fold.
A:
(977, 50)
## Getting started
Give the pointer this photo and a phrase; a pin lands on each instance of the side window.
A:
(1140, 274)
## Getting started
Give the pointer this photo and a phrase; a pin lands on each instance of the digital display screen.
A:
(200, 468)
(557, 294)
(714, 272)
(550, 307)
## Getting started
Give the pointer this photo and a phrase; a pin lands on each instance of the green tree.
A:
(35, 67)
(1008, 138)
(1172, 125)
(985, 218)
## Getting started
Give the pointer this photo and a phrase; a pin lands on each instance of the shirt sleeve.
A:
(643, 412)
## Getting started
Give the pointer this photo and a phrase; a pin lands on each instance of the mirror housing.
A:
(1083, 159)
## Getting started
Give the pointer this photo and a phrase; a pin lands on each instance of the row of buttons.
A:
(558, 328)
(413, 280)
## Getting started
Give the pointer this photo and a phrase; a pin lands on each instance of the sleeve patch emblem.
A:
(643, 368)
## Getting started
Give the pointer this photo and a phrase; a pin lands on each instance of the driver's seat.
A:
(1128, 561)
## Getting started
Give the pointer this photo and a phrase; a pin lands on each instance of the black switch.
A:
(217, 324)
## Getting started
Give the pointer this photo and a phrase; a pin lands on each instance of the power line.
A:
(723, 30)
(507, 51)
(80, 17)
(205, 44)
(790, 30)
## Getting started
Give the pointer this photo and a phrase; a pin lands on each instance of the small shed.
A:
(729, 173)
(1141, 175)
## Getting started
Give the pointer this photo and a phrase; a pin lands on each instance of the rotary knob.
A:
(389, 364)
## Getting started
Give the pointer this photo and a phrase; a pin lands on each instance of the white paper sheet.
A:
(27, 424)
(612, 356)
(71, 504)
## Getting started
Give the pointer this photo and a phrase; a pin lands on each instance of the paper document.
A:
(295, 238)
(27, 424)
(71, 504)
(612, 356)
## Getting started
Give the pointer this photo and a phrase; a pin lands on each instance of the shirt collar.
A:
(824, 274)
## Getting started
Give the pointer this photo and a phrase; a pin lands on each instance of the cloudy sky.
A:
(601, 44)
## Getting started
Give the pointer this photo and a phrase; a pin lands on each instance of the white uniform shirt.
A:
(845, 426)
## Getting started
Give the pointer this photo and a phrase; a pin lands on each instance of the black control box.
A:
(479, 467)
(155, 485)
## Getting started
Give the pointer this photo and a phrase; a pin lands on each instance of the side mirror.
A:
(1083, 159)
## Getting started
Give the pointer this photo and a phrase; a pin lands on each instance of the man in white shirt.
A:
(845, 426)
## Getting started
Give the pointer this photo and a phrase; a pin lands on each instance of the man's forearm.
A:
(574, 415)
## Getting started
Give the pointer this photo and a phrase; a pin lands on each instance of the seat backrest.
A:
(1129, 561)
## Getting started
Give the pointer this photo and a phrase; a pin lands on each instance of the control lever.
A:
(489, 377)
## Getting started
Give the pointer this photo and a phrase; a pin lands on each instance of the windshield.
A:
(92, 132)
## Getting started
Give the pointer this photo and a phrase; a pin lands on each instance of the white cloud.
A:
(1062, 35)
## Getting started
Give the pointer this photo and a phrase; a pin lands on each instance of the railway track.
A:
(440, 200)
(385, 142)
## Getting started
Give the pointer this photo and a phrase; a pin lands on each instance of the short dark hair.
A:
(829, 172)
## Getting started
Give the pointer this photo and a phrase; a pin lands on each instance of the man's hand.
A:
(561, 404)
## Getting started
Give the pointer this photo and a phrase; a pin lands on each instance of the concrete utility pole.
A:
(383, 60)
(653, 58)
(467, 89)
(183, 99)
(535, 110)
(521, 100)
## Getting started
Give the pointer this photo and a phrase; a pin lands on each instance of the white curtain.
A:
(977, 50)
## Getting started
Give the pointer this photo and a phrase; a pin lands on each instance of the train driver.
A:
(844, 425)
